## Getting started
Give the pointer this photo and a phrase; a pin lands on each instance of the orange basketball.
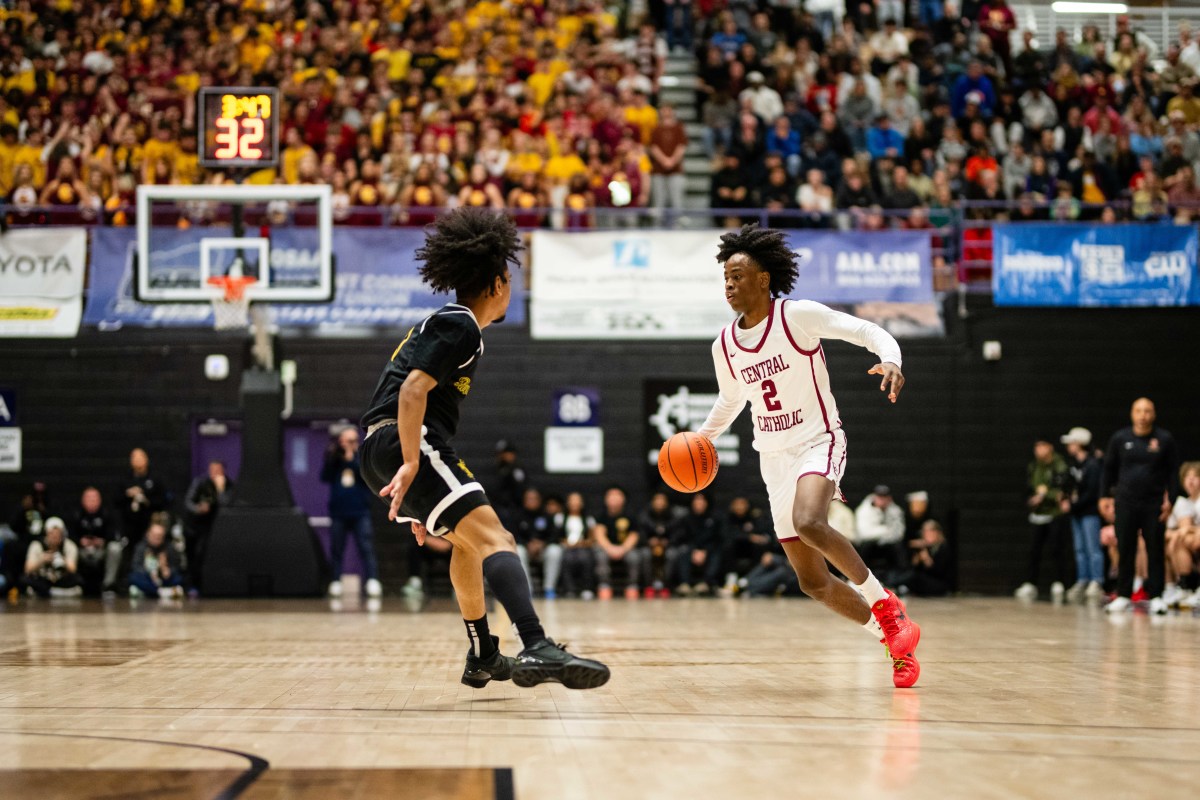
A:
(687, 462)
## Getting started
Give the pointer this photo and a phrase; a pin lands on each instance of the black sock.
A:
(507, 579)
(481, 639)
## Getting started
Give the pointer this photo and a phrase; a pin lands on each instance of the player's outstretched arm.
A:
(824, 322)
(410, 412)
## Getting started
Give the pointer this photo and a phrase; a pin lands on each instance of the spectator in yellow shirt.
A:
(396, 56)
(30, 154)
(8, 155)
(524, 157)
(162, 147)
(642, 116)
(187, 161)
(1186, 102)
(254, 51)
(293, 154)
(541, 83)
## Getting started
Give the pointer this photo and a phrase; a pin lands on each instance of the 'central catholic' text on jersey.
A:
(446, 346)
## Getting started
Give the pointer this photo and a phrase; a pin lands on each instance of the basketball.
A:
(687, 462)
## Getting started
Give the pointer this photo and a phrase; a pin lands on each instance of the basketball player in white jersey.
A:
(771, 357)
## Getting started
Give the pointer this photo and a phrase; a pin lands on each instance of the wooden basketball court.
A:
(709, 699)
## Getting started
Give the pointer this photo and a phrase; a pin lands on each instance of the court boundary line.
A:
(258, 764)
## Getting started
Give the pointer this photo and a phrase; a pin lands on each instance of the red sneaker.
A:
(905, 670)
(648, 593)
(663, 594)
(900, 632)
(1140, 596)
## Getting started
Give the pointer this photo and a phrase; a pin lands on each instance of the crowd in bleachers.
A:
(400, 106)
(404, 107)
(862, 108)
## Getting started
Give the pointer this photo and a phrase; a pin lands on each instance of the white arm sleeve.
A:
(822, 322)
(729, 401)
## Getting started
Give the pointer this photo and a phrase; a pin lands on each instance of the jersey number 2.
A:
(769, 392)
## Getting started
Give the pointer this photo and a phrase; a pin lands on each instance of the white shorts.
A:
(824, 455)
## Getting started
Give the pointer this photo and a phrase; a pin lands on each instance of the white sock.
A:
(871, 626)
(1137, 584)
(871, 589)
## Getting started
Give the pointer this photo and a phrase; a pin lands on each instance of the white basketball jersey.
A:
(778, 366)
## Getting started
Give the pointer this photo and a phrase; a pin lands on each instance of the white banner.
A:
(41, 281)
(574, 450)
(10, 449)
(627, 285)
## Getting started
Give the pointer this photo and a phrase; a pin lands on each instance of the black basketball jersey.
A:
(447, 346)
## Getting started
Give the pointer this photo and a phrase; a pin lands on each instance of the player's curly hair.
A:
(466, 249)
(769, 249)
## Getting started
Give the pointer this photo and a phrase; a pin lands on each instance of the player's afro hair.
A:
(767, 248)
(466, 249)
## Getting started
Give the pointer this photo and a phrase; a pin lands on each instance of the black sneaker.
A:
(496, 667)
(548, 661)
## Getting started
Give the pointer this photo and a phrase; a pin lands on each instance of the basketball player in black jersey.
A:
(407, 457)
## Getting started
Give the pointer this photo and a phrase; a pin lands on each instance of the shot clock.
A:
(239, 126)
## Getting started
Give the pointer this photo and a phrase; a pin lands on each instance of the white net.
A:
(231, 313)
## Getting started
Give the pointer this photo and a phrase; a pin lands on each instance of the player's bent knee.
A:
(816, 589)
(812, 529)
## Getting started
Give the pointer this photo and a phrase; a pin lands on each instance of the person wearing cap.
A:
(972, 81)
(764, 101)
(1086, 474)
(1047, 498)
(1141, 471)
(879, 532)
(1186, 101)
(51, 562)
(1173, 73)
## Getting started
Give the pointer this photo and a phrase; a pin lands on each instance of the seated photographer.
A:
(156, 566)
(932, 573)
(51, 563)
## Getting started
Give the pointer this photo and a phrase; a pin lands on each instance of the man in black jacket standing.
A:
(1141, 468)
(1086, 475)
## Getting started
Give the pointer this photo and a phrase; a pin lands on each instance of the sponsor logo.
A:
(463, 385)
(463, 466)
(631, 253)
(1101, 263)
(865, 269)
(24, 266)
(1173, 264)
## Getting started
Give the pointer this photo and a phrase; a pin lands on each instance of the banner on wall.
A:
(376, 278)
(41, 281)
(668, 284)
(1094, 265)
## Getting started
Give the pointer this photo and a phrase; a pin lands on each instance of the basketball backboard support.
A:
(185, 238)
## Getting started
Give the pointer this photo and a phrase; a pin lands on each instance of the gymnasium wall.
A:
(963, 429)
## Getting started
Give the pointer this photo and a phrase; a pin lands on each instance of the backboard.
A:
(187, 235)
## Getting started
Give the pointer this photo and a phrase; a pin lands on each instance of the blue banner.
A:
(376, 278)
(860, 267)
(1094, 265)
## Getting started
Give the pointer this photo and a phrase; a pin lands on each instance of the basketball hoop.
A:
(231, 309)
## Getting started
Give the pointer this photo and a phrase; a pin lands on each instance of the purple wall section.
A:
(304, 442)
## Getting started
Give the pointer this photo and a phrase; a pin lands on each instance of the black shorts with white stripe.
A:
(444, 490)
